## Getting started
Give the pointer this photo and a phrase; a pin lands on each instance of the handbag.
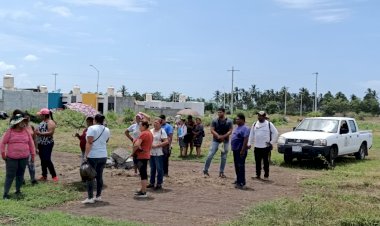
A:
(87, 172)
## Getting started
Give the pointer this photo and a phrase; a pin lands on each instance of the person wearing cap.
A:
(168, 148)
(263, 136)
(16, 146)
(221, 129)
(45, 143)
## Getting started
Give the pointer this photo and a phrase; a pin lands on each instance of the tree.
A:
(138, 96)
(174, 96)
(123, 91)
(217, 96)
(157, 96)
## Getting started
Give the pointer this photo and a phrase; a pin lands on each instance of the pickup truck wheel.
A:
(332, 156)
(360, 155)
(288, 159)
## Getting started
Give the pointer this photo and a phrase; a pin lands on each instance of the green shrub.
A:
(69, 118)
(314, 114)
(129, 116)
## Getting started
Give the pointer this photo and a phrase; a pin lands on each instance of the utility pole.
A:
(55, 81)
(301, 106)
(232, 89)
(286, 92)
(316, 92)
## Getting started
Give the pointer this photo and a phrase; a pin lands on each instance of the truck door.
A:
(354, 137)
(344, 138)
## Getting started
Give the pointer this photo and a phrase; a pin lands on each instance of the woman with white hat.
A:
(16, 147)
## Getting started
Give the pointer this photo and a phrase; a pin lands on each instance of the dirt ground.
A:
(188, 197)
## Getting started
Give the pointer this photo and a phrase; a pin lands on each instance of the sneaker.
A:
(42, 178)
(158, 187)
(150, 186)
(34, 182)
(205, 173)
(98, 199)
(266, 177)
(88, 201)
(18, 193)
(141, 194)
(240, 186)
(235, 182)
(166, 175)
(6, 197)
(221, 175)
(55, 179)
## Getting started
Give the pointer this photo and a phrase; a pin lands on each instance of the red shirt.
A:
(82, 142)
(146, 145)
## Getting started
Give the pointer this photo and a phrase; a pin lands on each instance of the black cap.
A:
(163, 117)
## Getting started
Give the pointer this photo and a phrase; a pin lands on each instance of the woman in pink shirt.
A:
(16, 146)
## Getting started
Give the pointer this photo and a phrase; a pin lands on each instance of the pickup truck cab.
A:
(325, 136)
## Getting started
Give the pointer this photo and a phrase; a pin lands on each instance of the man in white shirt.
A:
(263, 136)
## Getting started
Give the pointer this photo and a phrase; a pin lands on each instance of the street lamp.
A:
(316, 91)
(97, 82)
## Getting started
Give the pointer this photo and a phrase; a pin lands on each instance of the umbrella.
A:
(85, 109)
(188, 112)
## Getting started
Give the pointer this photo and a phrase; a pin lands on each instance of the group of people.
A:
(19, 145)
(22, 141)
(262, 136)
(190, 134)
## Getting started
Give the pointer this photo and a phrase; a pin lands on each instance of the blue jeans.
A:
(156, 168)
(211, 153)
(15, 168)
(239, 162)
(32, 169)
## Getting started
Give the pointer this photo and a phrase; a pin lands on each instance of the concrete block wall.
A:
(22, 99)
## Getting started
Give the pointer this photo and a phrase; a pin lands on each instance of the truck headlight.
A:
(320, 142)
(281, 140)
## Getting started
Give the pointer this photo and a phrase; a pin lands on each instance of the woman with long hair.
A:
(96, 155)
(45, 143)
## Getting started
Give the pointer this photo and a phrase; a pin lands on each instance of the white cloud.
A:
(59, 10)
(31, 57)
(15, 14)
(124, 5)
(325, 11)
(6, 67)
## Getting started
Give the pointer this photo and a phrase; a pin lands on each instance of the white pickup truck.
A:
(325, 136)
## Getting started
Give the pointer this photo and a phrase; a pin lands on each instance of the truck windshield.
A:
(319, 125)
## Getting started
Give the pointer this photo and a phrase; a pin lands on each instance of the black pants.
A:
(262, 154)
(166, 157)
(98, 164)
(142, 165)
(239, 162)
(15, 168)
(45, 156)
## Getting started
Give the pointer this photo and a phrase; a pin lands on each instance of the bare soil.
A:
(188, 197)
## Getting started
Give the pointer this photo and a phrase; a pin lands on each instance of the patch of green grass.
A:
(14, 213)
(32, 207)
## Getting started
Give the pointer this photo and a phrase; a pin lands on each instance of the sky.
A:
(188, 46)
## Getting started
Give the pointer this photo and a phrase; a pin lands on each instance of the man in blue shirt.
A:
(239, 146)
(167, 149)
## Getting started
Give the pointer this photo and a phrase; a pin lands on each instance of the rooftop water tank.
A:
(43, 89)
(76, 90)
(111, 91)
(9, 82)
(148, 97)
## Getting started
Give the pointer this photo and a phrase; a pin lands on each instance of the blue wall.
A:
(55, 100)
